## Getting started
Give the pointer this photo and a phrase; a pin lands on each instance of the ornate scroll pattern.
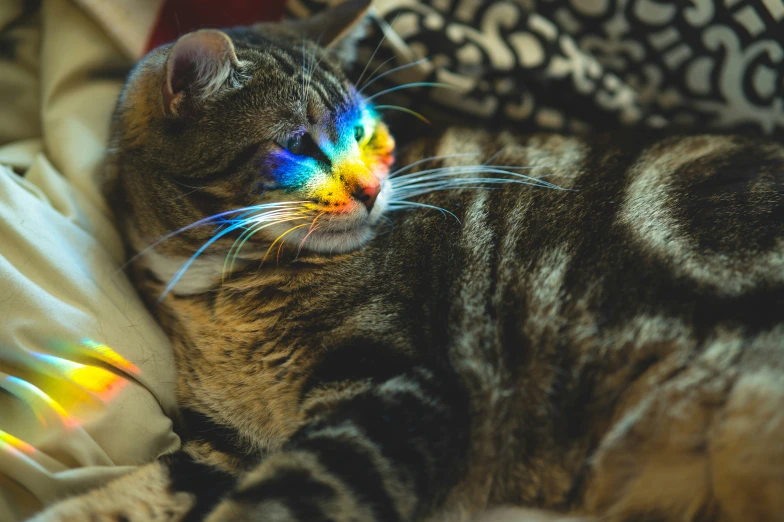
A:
(584, 64)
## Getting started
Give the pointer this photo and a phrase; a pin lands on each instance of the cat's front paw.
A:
(142, 496)
(292, 487)
(100, 508)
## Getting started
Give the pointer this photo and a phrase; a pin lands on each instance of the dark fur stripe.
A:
(286, 483)
(208, 484)
(349, 462)
(308, 510)
(302, 494)
(355, 361)
(653, 516)
(425, 442)
(196, 426)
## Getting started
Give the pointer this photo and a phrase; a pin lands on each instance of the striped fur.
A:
(611, 351)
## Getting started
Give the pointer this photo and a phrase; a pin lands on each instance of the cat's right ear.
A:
(338, 28)
(198, 65)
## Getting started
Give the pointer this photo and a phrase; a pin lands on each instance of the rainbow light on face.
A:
(353, 163)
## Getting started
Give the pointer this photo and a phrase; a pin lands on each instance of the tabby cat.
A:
(600, 333)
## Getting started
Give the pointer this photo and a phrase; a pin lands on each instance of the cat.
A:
(365, 333)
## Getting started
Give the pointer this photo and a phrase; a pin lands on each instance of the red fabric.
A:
(178, 17)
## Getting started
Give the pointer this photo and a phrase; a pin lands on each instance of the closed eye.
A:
(303, 145)
(293, 144)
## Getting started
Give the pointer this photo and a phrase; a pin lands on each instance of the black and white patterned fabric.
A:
(578, 65)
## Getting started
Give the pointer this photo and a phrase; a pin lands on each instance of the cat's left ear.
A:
(199, 64)
(339, 28)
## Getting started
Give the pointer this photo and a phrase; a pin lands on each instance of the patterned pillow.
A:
(583, 64)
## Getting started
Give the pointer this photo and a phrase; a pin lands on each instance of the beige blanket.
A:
(86, 375)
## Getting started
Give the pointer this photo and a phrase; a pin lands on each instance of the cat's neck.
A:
(259, 266)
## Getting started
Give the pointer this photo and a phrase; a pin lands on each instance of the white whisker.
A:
(250, 232)
(432, 158)
(411, 86)
(454, 172)
(212, 220)
(386, 73)
(228, 226)
(374, 71)
(400, 204)
(370, 60)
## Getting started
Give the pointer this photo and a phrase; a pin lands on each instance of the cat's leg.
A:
(705, 446)
(390, 452)
(166, 490)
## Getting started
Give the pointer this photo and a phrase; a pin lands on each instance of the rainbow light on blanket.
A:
(94, 379)
(352, 163)
(13, 444)
(41, 403)
(63, 392)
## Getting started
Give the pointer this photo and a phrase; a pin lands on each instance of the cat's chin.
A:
(338, 242)
(335, 237)
(339, 233)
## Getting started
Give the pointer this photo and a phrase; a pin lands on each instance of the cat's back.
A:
(687, 226)
(567, 308)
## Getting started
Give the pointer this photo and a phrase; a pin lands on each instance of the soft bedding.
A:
(86, 375)
(85, 372)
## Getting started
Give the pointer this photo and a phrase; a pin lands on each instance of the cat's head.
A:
(251, 133)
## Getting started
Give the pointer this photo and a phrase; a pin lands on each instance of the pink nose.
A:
(367, 194)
